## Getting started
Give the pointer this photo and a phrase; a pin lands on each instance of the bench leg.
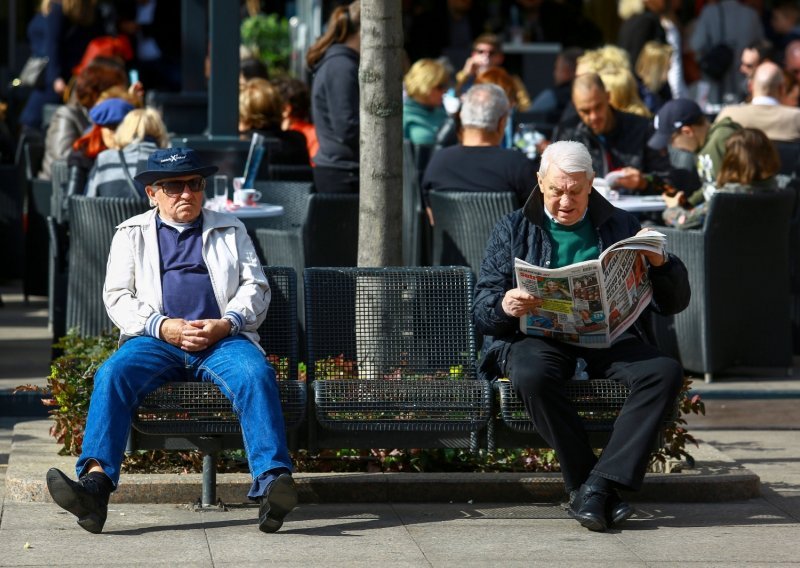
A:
(209, 498)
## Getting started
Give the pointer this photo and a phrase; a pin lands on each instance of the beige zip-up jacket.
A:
(132, 289)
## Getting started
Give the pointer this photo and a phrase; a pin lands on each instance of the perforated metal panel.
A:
(201, 408)
(598, 403)
(393, 349)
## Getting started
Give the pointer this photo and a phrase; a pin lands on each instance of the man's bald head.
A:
(588, 82)
(767, 80)
(592, 102)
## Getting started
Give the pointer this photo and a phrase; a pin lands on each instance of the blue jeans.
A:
(142, 364)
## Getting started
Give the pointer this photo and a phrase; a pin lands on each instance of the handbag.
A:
(717, 60)
(32, 74)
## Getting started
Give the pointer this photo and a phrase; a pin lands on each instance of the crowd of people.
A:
(675, 106)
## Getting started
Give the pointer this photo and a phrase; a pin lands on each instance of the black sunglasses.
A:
(175, 188)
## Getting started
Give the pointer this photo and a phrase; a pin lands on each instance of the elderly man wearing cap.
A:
(695, 150)
(186, 289)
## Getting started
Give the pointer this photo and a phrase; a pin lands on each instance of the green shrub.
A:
(70, 384)
(268, 38)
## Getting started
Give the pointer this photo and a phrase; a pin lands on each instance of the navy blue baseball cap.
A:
(110, 112)
(671, 117)
(173, 162)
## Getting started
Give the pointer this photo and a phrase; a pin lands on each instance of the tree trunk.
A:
(381, 138)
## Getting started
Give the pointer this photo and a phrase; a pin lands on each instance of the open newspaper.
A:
(591, 303)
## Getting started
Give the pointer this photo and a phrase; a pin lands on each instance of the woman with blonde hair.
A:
(652, 68)
(423, 114)
(623, 91)
(140, 133)
(333, 59)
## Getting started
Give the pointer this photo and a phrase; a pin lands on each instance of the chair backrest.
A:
(412, 207)
(292, 195)
(93, 222)
(389, 323)
(59, 176)
(278, 332)
(330, 233)
(789, 153)
(762, 291)
(463, 221)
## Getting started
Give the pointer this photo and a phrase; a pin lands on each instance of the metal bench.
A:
(197, 416)
(391, 358)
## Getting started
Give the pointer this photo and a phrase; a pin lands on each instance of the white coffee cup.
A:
(246, 197)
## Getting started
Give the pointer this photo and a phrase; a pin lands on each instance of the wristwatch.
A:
(234, 325)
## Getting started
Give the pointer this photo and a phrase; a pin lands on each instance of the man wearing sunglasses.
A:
(186, 290)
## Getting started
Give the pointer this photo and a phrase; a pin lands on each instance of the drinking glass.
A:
(220, 192)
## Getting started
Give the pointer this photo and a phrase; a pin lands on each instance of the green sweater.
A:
(572, 243)
(420, 122)
(709, 158)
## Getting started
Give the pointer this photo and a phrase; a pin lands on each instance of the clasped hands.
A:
(194, 335)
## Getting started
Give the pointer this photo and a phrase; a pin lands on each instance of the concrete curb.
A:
(716, 478)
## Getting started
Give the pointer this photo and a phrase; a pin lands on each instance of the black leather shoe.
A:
(279, 501)
(617, 510)
(83, 498)
(589, 508)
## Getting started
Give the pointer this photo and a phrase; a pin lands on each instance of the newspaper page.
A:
(590, 303)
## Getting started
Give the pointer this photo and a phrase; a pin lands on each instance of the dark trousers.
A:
(538, 368)
(334, 180)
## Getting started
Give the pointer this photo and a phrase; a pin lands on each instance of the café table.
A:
(639, 203)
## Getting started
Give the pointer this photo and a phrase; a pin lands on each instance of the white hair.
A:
(568, 156)
(483, 106)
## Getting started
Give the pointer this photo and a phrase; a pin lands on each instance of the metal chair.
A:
(292, 195)
(739, 314)
(391, 358)
(93, 222)
(463, 221)
(197, 416)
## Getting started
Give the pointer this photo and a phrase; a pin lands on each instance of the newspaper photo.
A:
(591, 303)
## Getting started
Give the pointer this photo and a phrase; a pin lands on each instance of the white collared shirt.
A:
(762, 100)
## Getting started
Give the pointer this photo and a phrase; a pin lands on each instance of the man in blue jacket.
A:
(564, 222)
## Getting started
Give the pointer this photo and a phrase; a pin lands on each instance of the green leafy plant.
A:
(676, 436)
(267, 36)
(70, 384)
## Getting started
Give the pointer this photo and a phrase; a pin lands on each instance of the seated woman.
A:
(112, 106)
(296, 110)
(140, 133)
(749, 165)
(261, 112)
(423, 113)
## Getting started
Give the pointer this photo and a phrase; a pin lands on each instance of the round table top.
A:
(638, 203)
(260, 210)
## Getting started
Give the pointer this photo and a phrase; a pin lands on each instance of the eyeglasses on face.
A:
(175, 187)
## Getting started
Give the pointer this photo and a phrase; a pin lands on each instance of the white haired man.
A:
(564, 222)
(478, 163)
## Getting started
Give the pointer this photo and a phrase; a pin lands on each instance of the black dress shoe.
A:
(589, 508)
(85, 498)
(279, 501)
(617, 510)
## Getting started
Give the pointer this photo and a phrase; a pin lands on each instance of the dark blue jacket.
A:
(520, 235)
